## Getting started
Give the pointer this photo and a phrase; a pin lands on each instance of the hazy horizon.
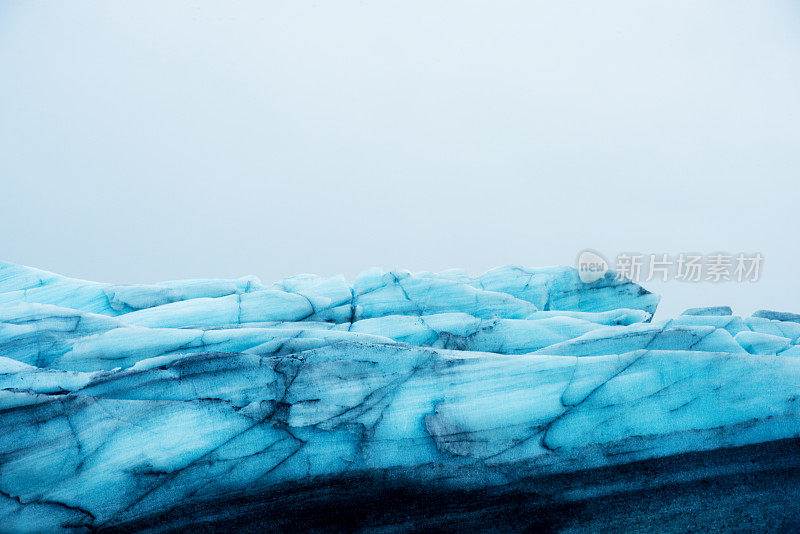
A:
(142, 142)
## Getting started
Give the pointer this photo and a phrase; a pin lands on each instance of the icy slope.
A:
(120, 402)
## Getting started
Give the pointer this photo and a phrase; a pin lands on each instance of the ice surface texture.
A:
(118, 402)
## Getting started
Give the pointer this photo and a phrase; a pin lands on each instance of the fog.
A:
(144, 141)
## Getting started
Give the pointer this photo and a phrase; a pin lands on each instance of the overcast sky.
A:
(143, 141)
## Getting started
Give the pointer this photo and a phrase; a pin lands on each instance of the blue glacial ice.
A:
(119, 401)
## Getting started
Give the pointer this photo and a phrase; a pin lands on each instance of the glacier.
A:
(231, 402)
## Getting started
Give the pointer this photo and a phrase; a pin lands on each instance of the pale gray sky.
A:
(151, 140)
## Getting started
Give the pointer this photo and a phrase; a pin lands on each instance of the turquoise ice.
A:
(117, 401)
